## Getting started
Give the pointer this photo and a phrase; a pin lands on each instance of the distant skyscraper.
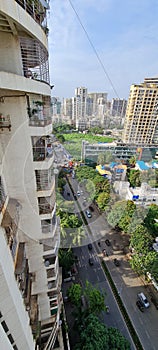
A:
(67, 107)
(118, 107)
(142, 113)
(95, 98)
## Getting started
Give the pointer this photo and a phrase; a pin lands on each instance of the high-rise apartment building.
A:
(118, 107)
(97, 98)
(79, 104)
(29, 229)
(67, 107)
(141, 119)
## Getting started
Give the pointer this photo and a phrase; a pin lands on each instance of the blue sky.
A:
(124, 33)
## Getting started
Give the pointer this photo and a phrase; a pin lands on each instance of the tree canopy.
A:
(96, 336)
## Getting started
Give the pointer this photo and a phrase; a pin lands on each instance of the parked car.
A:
(90, 260)
(89, 215)
(116, 262)
(78, 193)
(107, 242)
(143, 299)
(90, 246)
(140, 305)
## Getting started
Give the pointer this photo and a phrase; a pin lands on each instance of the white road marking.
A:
(147, 334)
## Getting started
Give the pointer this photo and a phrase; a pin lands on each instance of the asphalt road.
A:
(95, 275)
(127, 282)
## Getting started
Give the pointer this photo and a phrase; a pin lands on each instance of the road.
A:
(96, 276)
(126, 281)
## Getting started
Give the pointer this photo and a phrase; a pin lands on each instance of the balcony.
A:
(42, 148)
(5, 122)
(45, 208)
(49, 226)
(49, 260)
(3, 196)
(34, 59)
(45, 179)
(36, 10)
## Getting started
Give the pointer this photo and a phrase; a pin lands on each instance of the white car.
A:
(78, 193)
(89, 215)
(143, 299)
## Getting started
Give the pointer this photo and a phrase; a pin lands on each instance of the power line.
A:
(94, 49)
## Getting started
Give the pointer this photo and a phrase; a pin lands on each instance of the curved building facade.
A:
(30, 232)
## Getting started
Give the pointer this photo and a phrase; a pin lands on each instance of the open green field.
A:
(73, 142)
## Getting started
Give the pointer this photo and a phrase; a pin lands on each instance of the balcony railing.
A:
(5, 122)
(2, 195)
(35, 9)
(36, 121)
(41, 153)
(49, 260)
(45, 208)
(34, 59)
(45, 179)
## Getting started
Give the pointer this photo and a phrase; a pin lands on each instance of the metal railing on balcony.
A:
(41, 153)
(2, 195)
(5, 122)
(34, 59)
(36, 121)
(36, 9)
(45, 179)
(52, 338)
(45, 208)
(48, 228)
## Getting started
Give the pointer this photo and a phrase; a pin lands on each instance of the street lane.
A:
(95, 275)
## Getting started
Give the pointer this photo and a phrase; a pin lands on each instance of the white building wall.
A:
(11, 300)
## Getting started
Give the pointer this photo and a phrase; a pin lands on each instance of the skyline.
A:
(124, 39)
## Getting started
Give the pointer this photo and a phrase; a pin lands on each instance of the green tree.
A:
(103, 200)
(77, 236)
(74, 293)
(121, 214)
(96, 336)
(116, 340)
(66, 258)
(141, 240)
(132, 160)
(151, 218)
(60, 137)
(95, 299)
(134, 178)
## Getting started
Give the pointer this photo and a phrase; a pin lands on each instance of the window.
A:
(10, 338)
(15, 347)
(5, 327)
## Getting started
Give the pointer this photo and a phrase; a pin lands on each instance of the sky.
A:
(103, 45)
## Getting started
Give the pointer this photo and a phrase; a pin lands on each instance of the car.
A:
(140, 305)
(90, 246)
(89, 215)
(78, 193)
(143, 299)
(107, 242)
(90, 260)
(116, 262)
